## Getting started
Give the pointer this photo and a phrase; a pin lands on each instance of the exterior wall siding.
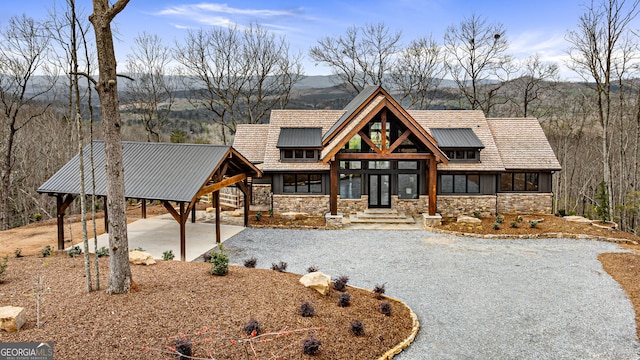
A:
(458, 205)
(411, 206)
(352, 206)
(314, 205)
(261, 194)
(531, 203)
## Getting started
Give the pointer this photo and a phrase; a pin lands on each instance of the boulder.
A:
(12, 318)
(468, 220)
(141, 258)
(210, 210)
(292, 215)
(318, 281)
(578, 219)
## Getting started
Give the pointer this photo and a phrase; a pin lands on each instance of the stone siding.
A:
(458, 205)
(411, 206)
(314, 205)
(352, 206)
(261, 194)
(532, 203)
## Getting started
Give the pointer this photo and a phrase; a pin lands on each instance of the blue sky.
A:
(532, 26)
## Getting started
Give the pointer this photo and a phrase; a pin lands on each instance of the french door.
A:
(379, 191)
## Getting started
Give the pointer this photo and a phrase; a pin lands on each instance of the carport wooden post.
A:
(106, 214)
(144, 208)
(246, 192)
(216, 203)
(432, 186)
(60, 216)
(193, 212)
(183, 235)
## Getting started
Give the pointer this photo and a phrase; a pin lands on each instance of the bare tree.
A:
(360, 57)
(476, 58)
(152, 95)
(237, 76)
(119, 269)
(23, 52)
(534, 82)
(418, 71)
(596, 51)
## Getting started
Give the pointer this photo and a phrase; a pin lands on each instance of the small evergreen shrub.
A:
(357, 328)
(251, 262)
(572, 213)
(344, 300)
(17, 252)
(562, 213)
(102, 252)
(477, 215)
(311, 346)
(281, 266)
(184, 348)
(271, 212)
(168, 255)
(499, 219)
(37, 216)
(307, 310)
(496, 226)
(514, 224)
(385, 308)
(312, 268)
(219, 262)
(47, 251)
(137, 249)
(252, 328)
(73, 251)
(533, 224)
(258, 215)
(518, 218)
(379, 290)
(340, 283)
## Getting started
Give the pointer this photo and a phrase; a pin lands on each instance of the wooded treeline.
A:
(221, 77)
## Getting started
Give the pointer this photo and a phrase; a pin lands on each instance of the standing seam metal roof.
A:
(456, 138)
(300, 138)
(156, 171)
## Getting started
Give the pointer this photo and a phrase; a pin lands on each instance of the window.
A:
(302, 183)
(290, 155)
(350, 165)
(407, 186)
(471, 155)
(519, 181)
(379, 165)
(407, 165)
(350, 186)
(460, 184)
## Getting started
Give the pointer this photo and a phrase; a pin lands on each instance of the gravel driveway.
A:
(476, 298)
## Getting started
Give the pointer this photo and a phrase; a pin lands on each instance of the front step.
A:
(381, 216)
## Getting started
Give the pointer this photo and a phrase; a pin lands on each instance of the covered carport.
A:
(165, 172)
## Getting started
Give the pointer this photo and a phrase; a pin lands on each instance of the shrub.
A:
(252, 328)
(219, 262)
(258, 215)
(47, 251)
(562, 212)
(311, 346)
(137, 249)
(307, 310)
(385, 308)
(533, 224)
(168, 255)
(3, 265)
(379, 290)
(518, 218)
(37, 216)
(514, 224)
(357, 328)
(340, 283)
(344, 300)
(251, 262)
(312, 268)
(281, 266)
(102, 252)
(73, 251)
(18, 252)
(496, 226)
(271, 212)
(184, 348)
(572, 213)
(477, 215)
(499, 219)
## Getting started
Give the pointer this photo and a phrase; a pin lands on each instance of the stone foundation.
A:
(430, 221)
(352, 206)
(532, 203)
(333, 222)
(261, 195)
(314, 205)
(459, 205)
(411, 206)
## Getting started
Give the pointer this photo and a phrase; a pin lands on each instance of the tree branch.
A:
(89, 77)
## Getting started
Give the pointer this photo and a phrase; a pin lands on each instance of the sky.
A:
(531, 26)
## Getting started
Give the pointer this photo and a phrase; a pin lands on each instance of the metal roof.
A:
(456, 138)
(351, 107)
(300, 138)
(156, 171)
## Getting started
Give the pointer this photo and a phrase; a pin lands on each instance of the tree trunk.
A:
(119, 268)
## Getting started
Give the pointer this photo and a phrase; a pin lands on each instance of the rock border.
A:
(397, 349)
(548, 235)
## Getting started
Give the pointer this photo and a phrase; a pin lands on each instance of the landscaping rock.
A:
(292, 215)
(12, 318)
(237, 213)
(210, 209)
(468, 220)
(318, 281)
(141, 258)
(578, 219)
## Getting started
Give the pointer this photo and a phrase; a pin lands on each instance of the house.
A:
(376, 154)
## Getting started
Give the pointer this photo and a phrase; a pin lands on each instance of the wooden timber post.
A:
(106, 214)
(144, 208)
(216, 203)
(183, 233)
(333, 202)
(62, 203)
(432, 186)
(246, 192)
(193, 212)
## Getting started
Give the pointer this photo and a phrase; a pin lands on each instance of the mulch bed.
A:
(174, 298)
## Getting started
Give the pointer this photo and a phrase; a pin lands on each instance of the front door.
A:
(379, 192)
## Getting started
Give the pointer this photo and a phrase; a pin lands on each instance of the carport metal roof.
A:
(156, 171)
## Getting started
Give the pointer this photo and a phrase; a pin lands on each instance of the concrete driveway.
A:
(476, 298)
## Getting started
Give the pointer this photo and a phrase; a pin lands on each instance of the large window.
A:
(519, 181)
(407, 186)
(350, 186)
(463, 155)
(302, 183)
(290, 155)
(460, 184)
